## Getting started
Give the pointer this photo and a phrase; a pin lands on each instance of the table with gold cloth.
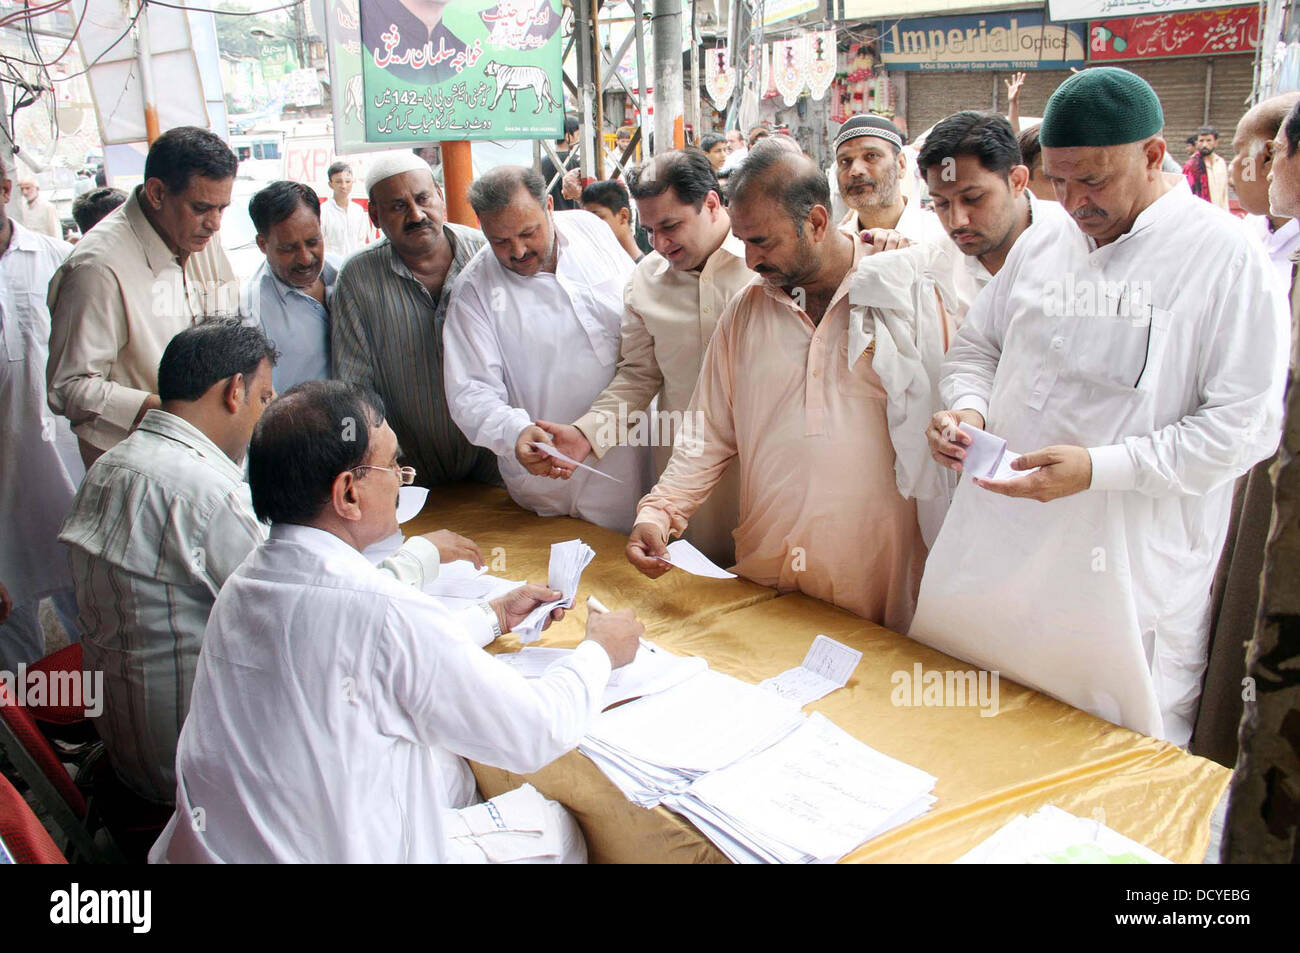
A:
(1035, 751)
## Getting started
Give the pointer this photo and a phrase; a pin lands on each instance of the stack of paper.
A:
(459, 584)
(827, 666)
(1053, 836)
(659, 744)
(813, 796)
(568, 560)
(652, 670)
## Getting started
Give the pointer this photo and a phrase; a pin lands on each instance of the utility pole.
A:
(669, 94)
(147, 88)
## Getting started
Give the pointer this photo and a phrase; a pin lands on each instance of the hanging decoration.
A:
(823, 61)
(719, 76)
(791, 67)
(767, 53)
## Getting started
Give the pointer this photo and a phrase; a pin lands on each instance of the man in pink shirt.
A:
(819, 508)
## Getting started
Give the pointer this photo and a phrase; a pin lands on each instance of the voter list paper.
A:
(827, 666)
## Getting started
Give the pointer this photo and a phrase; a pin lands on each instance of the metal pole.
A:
(145, 54)
(642, 81)
(583, 33)
(457, 174)
(669, 94)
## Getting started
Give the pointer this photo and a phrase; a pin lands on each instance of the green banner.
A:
(466, 69)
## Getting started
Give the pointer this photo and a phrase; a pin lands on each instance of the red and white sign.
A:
(1198, 33)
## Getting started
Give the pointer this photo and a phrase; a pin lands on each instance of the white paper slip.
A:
(410, 500)
(687, 558)
(459, 584)
(550, 451)
(1053, 836)
(827, 666)
(652, 670)
(988, 457)
(568, 560)
(532, 661)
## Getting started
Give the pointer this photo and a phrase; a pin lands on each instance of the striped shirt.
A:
(386, 333)
(159, 524)
(161, 520)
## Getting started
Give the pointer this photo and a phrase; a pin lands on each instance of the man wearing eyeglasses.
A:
(331, 703)
(159, 524)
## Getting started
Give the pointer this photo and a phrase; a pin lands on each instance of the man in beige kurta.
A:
(819, 508)
(146, 272)
(672, 304)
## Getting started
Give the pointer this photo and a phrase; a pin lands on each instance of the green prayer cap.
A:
(1101, 106)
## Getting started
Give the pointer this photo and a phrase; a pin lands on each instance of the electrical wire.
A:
(228, 13)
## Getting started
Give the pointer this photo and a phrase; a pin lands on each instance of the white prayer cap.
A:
(394, 163)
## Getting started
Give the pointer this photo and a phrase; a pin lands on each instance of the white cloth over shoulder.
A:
(895, 314)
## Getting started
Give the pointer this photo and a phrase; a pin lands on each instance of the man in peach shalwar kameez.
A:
(819, 508)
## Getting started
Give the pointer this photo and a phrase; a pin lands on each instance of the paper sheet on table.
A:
(568, 560)
(988, 457)
(410, 500)
(459, 584)
(687, 558)
(652, 670)
(827, 666)
(814, 795)
(1053, 836)
(550, 451)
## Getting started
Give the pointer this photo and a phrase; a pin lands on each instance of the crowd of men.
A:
(197, 472)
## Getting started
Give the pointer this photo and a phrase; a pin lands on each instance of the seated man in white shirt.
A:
(532, 334)
(328, 696)
(158, 525)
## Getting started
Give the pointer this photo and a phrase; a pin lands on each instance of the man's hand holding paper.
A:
(948, 442)
(1058, 471)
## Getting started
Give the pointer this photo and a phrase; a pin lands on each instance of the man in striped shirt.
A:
(387, 315)
(159, 524)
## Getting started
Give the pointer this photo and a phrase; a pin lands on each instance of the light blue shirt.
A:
(297, 323)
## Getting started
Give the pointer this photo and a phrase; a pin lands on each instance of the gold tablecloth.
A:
(1034, 751)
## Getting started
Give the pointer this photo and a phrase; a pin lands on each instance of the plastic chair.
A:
(22, 833)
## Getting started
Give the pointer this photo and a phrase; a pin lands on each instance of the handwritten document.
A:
(815, 795)
(827, 666)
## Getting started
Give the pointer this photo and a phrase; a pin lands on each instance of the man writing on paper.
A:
(671, 306)
(819, 509)
(1138, 354)
(329, 698)
(532, 333)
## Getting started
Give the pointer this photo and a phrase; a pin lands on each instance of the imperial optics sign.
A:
(994, 41)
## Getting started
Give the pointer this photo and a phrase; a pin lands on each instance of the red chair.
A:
(40, 768)
(64, 723)
(22, 834)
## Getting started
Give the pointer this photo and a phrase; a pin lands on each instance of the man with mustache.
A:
(869, 169)
(387, 316)
(289, 293)
(820, 511)
(1136, 356)
(533, 335)
(146, 272)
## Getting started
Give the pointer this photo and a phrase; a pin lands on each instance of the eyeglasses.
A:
(405, 474)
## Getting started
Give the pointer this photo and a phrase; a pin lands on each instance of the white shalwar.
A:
(323, 691)
(40, 465)
(1164, 353)
(517, 350)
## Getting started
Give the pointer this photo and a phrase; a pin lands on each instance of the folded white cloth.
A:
(896, 301)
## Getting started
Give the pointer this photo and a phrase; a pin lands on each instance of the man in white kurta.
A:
(39, 463)
(325, 687)
(1137, 355)
(533, 334)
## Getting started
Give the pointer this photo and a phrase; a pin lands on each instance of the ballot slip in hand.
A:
(550, 451)
(568, 560)
(827, 666)
(682, 555)
(987, 458)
